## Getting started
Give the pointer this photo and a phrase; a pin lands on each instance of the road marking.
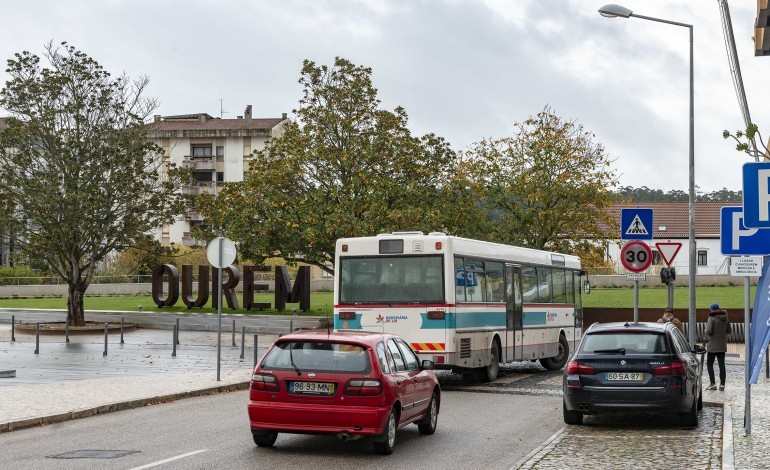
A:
(170, 459)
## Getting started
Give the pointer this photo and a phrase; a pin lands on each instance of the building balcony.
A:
(193, 214)
(200, 163)
(200, 187)
(188, 240)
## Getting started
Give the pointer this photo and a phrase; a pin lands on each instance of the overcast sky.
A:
(463, 69)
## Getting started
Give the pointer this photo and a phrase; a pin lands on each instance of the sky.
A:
(465, 70)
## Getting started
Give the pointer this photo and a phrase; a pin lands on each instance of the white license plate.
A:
(625, 376)
(312, 388)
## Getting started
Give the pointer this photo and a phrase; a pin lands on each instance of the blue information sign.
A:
(635, 224)
(737, 238)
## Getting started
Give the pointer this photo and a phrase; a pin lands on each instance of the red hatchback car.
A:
(345, 384)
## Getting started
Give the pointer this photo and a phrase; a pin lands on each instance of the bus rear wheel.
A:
(558, 361)
(489, 373)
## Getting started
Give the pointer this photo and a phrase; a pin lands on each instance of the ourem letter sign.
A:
(756, 195)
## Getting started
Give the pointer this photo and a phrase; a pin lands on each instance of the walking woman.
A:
(717, 328)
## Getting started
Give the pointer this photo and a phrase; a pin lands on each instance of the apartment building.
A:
(216, 150)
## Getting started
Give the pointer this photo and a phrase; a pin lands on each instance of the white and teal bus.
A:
(465, 304)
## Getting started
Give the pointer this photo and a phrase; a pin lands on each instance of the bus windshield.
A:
(391, 279)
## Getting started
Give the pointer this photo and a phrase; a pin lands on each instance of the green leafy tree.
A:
(344, 168)
(78, 169)
(550, 183)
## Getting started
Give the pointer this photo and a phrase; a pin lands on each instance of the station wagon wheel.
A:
(265, 439)
(385, 447)
(690, 418)
(700, 398)
(428, 425)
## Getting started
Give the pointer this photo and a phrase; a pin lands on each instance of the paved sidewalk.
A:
(73, 380)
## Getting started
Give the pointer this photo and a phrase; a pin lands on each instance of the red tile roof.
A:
(675, 217)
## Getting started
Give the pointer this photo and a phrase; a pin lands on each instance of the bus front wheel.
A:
(557, 362)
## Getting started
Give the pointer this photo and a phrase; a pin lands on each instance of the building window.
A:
(220, 176)
(702, 258)
(220, 154)
(201, 150)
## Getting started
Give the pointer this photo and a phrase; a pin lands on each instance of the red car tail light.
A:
(347, 315)
(264, 382)
(676, 368)
(363, 387)
(574, 367)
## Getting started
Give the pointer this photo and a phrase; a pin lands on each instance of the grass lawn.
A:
(728, 297)
(322, 303)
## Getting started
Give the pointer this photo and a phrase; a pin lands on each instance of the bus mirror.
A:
(587, 287)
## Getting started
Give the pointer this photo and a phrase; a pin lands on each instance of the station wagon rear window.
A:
(318, 357)
(625, 342)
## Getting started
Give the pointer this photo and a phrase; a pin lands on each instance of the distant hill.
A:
(645, 194)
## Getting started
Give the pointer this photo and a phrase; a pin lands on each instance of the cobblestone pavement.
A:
(625, 441)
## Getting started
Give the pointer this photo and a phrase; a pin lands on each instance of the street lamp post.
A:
(617, 11)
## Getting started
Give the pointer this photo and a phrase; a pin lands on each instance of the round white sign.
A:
(228, 252)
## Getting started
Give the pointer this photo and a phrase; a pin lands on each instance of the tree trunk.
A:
(75, 304)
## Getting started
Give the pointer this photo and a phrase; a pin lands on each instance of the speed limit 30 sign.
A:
(636, 256)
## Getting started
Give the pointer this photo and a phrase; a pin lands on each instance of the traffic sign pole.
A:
(636, 301)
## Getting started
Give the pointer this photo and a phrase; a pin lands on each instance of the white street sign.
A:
(745, 265)
(636, 276)
(668, 251)
(228, 252)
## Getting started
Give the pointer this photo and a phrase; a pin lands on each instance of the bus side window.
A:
(459, 280)
(495, 281)
(529, 284)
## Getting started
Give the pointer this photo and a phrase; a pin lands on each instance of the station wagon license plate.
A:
(625, 376)
(311, 388)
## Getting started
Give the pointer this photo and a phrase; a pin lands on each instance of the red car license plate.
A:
(311, 388)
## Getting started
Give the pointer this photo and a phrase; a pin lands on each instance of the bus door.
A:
(513, 313)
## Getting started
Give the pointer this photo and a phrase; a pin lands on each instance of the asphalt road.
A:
(475, 430)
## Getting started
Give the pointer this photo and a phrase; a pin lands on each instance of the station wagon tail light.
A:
(574, 367)
(347, 315)
(264, 382)
(436, 315)
(676, 368)
(363, 387)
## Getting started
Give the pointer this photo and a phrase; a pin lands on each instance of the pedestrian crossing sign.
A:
(636, 224)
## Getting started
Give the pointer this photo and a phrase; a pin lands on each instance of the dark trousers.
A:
(720, 356)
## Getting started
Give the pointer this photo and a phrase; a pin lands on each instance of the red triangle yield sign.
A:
(668, 251)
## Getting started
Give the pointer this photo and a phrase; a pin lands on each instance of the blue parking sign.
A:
(635, 224)
(756, 195)
(737, 238)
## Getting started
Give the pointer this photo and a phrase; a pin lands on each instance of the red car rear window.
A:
(318, 356)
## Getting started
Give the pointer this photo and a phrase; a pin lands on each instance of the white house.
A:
(671, 224)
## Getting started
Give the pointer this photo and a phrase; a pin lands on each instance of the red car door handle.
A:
(398, 382)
